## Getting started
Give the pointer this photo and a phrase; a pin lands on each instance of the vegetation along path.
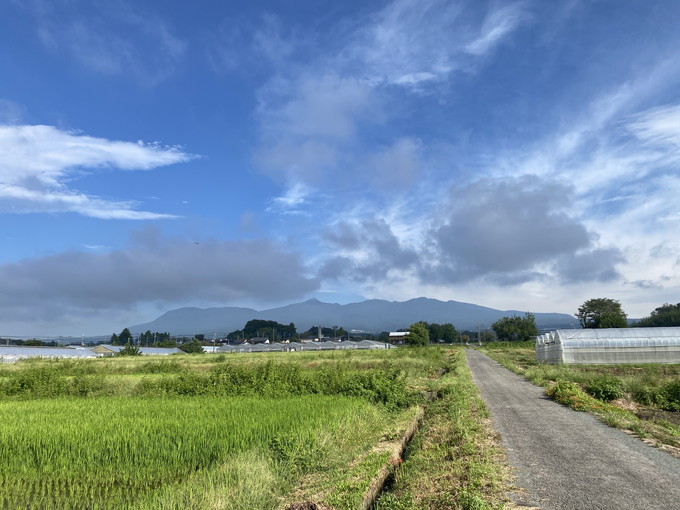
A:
(565, 459)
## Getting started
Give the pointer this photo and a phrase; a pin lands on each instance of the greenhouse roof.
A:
(44, 352)
(611, 336)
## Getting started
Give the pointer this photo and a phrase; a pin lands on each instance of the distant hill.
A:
(373, 315)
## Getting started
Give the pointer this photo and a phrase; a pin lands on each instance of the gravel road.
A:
(565, 459)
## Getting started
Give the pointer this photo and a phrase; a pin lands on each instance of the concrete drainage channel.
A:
(385, 476)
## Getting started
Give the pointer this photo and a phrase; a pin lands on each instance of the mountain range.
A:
(373, 315)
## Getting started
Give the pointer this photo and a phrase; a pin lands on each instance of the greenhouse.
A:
(609, 346)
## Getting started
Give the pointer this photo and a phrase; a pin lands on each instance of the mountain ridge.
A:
(372, 315)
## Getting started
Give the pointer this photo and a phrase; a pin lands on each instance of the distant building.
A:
(398, 337)
(111, 350)
(258, 340)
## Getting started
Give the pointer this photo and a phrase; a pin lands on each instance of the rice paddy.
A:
(185, 433)
(244, 431)
(108, 452)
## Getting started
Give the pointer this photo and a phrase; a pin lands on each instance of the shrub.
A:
(36, 382)
(671, 394)
(569, 394)
(605, 388)
(129, 350)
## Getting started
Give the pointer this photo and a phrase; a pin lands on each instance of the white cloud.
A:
(414, 42)
(307, 123)
(39, 163)
(660, 126)
(497, 25)
(294, 198)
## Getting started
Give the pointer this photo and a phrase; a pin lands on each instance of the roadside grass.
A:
(455, 460)
(644, 398)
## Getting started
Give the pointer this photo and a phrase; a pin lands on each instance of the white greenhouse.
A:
(609, 346)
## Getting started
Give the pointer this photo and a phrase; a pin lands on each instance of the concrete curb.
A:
(377, 485)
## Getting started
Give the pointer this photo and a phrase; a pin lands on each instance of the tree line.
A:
(607, 313)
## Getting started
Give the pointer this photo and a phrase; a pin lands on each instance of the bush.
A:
(605, 388)
(129, 350)
(671, 393)
(36, 382)
(569, 394)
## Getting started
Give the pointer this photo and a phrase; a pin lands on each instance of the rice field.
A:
(194, 432)
(117, 452)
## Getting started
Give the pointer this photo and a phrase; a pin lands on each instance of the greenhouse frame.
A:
(609, 346)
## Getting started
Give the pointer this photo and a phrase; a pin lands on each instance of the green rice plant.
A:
(116, 452)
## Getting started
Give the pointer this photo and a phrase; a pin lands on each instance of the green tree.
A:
(384, 336)
(125, 337)
(509, 329)
(129, 350)
(449, 333)
(418, 334)
(663, 316)
(602, 313)
(446, 333)
(192, 347)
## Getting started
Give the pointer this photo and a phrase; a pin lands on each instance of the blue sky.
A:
(519, 155)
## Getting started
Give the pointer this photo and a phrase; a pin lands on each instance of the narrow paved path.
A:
(565, 459)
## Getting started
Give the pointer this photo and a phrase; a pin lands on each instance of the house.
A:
(398, 337)
(258, 340)
(609, 346)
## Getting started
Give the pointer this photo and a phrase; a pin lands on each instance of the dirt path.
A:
(564, 459)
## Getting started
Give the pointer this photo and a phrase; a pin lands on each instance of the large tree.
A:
(125, 337)
(418, 334)
(665, 315)
(515, 328)
(447, 333)
(602, 313)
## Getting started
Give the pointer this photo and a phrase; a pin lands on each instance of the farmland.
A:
(241, 431)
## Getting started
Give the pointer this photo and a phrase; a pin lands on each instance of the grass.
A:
(455, 460)
(644, 399)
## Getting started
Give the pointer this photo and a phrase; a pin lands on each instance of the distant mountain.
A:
(373, 315)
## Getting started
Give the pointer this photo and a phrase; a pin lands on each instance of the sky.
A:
(160, 154)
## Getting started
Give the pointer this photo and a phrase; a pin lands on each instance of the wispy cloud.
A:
(111, 38)
(293, 200)
(659, 126)
(413, 42)
(497, 25)
(312, 120)
(40, 162)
